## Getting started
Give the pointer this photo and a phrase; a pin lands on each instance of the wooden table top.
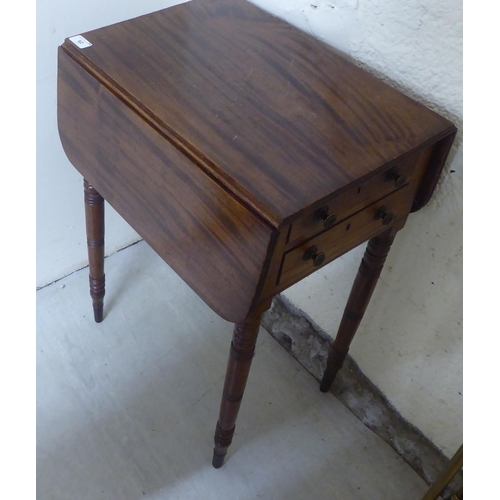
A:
(274, 116)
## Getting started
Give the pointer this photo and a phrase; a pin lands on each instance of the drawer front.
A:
(353, 200)
(332, 243)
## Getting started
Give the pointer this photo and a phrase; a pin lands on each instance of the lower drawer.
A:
(332, 243)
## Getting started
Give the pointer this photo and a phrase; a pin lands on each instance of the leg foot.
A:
(238, 368)
(335, 361)
(218, 460)
(222, 439)
(98, 313)
(94, 218)
(359, 298)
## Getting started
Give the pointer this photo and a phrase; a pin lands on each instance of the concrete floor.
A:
(126, 409)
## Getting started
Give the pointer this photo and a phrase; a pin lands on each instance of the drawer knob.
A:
(397, 177)
(312, 253)
(387, 217)
(322, 214)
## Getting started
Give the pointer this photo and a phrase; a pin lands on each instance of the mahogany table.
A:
(247, 154)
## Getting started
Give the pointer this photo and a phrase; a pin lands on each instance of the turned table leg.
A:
(364, 284)
(238, 367)
(94, 217)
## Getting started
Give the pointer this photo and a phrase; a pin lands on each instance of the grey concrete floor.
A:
(126, 409)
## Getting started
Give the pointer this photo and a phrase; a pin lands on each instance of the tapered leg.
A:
(446, 477)
(238, 367)
(94, 217)
(364, 284)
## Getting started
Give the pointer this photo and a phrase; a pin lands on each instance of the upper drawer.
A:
(354, 199)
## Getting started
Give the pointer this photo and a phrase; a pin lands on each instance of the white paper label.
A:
(81, 42)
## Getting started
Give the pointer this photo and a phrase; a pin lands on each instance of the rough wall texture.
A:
(410, 342)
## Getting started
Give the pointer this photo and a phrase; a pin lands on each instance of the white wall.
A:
(61, 244)
(410, 343)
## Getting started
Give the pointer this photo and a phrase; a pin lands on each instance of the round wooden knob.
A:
(397, 177)
(322, 214)
(312, 253)
(386, 216)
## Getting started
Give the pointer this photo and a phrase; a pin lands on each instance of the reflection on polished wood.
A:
(234, 143)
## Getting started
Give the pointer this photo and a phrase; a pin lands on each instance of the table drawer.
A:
(353, 200)
(332, 243)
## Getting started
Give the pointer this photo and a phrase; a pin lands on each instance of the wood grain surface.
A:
(275, 116)
(217, 246)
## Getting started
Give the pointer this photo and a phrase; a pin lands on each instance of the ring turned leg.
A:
(238, 367)
(362, 290)
(94, 217)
